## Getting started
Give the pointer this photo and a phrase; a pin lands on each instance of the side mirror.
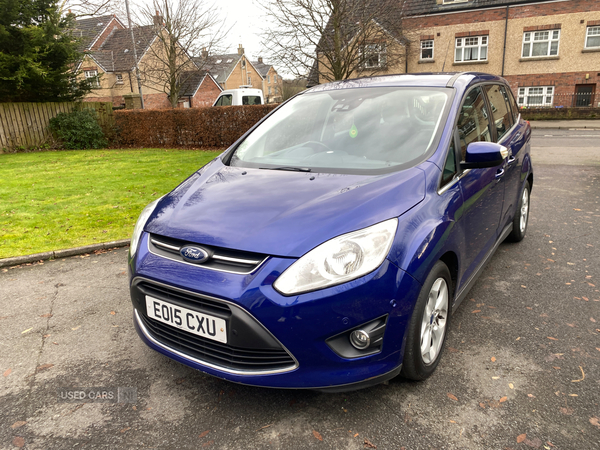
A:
(484, 154)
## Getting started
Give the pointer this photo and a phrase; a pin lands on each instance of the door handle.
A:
(499, 174)
(511, 160)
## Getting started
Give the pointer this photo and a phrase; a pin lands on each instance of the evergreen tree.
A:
(38, 53)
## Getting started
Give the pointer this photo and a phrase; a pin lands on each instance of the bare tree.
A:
(182, 28)
(338, 39)
(91, 8)
(289, 88)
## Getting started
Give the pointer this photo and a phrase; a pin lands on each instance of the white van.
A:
(242, 96)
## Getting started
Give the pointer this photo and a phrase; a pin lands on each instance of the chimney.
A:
(240, 50)
(158, 20)
(204, 53)
(260, 60)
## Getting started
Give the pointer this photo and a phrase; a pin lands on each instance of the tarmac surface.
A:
(521, 368)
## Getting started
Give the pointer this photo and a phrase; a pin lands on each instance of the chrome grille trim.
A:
(237, 265)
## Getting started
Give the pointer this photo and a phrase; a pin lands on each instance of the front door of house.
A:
(584, 94)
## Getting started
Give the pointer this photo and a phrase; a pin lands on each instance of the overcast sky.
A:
(247, 16)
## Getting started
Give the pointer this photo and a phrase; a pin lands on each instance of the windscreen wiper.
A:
(291, 169)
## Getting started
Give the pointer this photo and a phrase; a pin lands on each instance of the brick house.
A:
(548, 50)
(230, 70)
(272, 83)
(109, 61)
(233, 70)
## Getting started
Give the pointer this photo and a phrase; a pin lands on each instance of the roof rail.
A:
(452, 80)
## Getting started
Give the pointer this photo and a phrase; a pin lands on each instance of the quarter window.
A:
(540, 43)
(471, 49)
(500, 109)
(473, 124)
(536, 96)
(592, 39)
(427, 49)
(450, 165)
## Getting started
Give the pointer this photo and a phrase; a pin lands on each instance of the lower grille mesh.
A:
(216, 353)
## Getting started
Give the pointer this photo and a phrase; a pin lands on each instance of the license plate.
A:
(186, 319)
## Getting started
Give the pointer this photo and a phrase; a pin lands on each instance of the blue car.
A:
(328, 247)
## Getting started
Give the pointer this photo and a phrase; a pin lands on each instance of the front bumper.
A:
(299, 325)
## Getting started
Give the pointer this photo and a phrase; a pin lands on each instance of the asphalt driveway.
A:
(521, 368)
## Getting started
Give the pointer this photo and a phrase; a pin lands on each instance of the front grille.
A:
(216, 353)
(199, 302)
(225, 260)
(250, 347)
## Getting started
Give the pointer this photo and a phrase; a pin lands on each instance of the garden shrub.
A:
(210, 127)
(78, 129)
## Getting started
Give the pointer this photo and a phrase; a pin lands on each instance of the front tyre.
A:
(428, 325)
(521, 216)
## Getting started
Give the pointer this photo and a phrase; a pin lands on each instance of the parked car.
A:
(327, 248)
(242, 96)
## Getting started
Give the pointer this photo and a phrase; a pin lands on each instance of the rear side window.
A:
(224, 100)
(473, 122)
(500, 107)
(251, 100)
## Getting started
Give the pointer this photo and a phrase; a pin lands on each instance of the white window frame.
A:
(526, 93)
(275, 78)
(531, 37)
(119, 78)
(471, 42)
(371, 51)
(425, 45)
(596, 30)
(269, 79)
(92, 74)
(249, 78)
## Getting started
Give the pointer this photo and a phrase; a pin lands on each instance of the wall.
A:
(206, 94)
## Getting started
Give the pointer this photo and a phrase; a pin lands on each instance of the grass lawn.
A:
(56, 200)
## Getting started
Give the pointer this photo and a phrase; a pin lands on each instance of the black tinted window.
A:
(251, 100)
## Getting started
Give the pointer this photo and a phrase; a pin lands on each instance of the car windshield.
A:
(347, 130)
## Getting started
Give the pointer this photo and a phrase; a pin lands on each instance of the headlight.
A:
(139, 226)
(341, 259)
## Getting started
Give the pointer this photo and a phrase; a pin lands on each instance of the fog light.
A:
(360, 339)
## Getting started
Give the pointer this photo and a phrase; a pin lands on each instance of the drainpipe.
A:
(505, 33)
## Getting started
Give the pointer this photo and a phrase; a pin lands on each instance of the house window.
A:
(536, 96)
(471, 49)
(249, 79)
(119, 78)
(427, 49)
(374, 55)
(275, 78)
(540, 43)
(270, 92)
(269, 79)
(592, 39)
(92, 76)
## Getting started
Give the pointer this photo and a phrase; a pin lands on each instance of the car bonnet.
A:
(280, 213)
